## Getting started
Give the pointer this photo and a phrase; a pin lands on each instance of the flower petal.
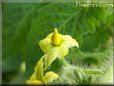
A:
(63, 51)
(34, 82)
(45, 44)
(69, 42)
(39, 69)
(50, 76)
(33, 77)
(51, 56)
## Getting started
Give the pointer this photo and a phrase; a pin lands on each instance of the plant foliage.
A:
(26, 24)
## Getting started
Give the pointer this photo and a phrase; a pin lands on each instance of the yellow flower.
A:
(56, 45)
(49, 77)
(38, 77)
(61, 42)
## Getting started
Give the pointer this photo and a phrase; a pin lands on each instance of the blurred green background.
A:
(25, 24)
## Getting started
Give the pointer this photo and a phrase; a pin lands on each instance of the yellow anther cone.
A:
(56, 37)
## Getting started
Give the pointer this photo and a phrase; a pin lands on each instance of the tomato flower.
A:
(38, 77)
(56, 45)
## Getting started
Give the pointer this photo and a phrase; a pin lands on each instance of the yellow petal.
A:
(33, 77)
(69, 42)
(45, 44)
(63, 51)
(34, 82)
(50, 76)
(51, 56)
(39, 69)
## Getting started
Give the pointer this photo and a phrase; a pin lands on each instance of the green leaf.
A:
(93, 71)
(107, 77)
(14, 40)
(18, 37)
(24, 26)
(91, 59)
(79, 73)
